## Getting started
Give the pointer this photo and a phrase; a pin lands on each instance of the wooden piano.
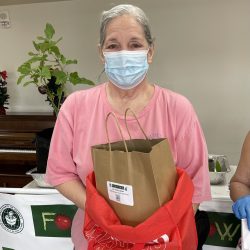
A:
(17, 145)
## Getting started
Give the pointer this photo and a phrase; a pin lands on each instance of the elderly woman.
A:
(240, 184)
(126, 50)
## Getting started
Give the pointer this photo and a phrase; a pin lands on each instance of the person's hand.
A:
(241, 209)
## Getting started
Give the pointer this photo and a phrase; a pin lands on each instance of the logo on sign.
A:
(11, 219)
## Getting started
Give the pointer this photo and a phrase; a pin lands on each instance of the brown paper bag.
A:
(135, 176)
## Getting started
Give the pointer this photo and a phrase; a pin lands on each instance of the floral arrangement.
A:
(3, 91)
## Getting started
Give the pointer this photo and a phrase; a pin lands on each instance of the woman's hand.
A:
(241, 209)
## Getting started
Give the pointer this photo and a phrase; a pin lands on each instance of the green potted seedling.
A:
(47, 69)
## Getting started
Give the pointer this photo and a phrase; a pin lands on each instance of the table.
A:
(35, 218)
(225, 228)
(44, 217)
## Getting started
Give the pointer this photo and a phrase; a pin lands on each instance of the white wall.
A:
(202, 52)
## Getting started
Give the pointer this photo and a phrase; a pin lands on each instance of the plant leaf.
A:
(44, 46)
(75, 79)
(35, 59)
(49, 31)
(63, 59)
(58, 40)
(24, 69)
(27, 83)
(32, 54)
(41, 38)
(36, 46)
(45, 72)
(59, 92)
(20, 78)
(55, 50)
(86, 81)
(217, 166)
(71, 62)
(61, 77)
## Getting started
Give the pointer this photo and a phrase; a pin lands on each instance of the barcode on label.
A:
(117, 197)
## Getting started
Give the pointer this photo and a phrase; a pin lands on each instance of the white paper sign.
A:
(245, 235)
(35, 222)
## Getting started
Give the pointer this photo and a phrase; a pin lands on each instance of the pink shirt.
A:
(81, 124)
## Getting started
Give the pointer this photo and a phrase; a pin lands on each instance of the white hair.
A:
(125, 9)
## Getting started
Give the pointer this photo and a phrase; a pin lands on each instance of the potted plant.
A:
(3, 92)
(46, 68)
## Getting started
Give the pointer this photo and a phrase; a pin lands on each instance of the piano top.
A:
(18, 129)
(26, 122)
(22, 113)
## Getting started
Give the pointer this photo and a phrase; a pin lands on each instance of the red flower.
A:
(4, 74)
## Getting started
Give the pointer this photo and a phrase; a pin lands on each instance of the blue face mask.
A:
(126, 69)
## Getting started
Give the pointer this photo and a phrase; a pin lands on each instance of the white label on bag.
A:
(120, 193)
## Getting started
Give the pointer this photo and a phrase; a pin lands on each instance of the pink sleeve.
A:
(192, 154)
(196, 162)
(60, 165)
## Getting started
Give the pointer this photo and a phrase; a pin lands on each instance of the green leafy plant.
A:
(46, 68)
(217, 166)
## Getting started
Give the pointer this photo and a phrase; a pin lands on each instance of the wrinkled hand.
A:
(241, 209)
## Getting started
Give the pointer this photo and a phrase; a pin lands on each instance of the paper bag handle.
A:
(119, 128)
(133, 113)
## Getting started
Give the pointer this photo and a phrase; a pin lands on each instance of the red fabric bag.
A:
(171, 227)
